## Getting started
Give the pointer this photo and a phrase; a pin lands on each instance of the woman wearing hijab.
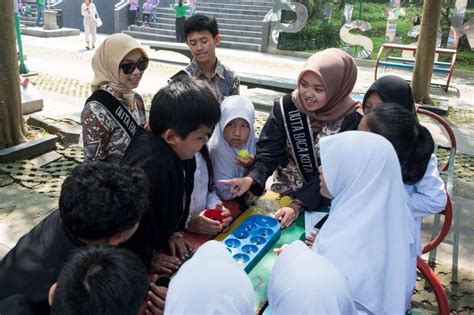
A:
(289, 141)
(369, 234)
(232, 145)
(114, 112)
(412, 142)
(211, 282)
(320, 289)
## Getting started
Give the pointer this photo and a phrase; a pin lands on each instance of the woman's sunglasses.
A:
(129, 67)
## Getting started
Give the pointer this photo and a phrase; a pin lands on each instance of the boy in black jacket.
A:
(100, 203)
(182, 115)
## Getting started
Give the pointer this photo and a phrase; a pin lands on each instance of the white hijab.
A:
(303, 282)
(222, 154)
(211, 282)
(369, 232)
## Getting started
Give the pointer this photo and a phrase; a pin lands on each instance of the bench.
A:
(409, 63)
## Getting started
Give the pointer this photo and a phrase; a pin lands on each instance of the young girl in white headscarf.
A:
(232, 145)
(369, 234)
(320, 289)
(118, 64)
(211, 282)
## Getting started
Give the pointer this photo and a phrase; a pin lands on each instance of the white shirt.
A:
(88, 11)
(428, 196)
(201, 198)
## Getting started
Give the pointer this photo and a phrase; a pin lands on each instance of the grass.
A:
(315, 36)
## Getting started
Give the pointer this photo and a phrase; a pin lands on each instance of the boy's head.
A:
(100, 280)
(103, 203)
(183, 114)
(202, 37)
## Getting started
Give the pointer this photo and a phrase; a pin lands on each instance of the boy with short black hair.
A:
(100, 203)
(202, 36)
(181, 117)
(101, 280)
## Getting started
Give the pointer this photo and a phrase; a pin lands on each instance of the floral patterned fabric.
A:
(225, 81)
(288, 179)
(103, 137)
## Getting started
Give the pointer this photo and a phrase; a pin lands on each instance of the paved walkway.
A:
(29, 189)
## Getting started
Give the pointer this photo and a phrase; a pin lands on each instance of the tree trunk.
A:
(425, 51)
(11, 119)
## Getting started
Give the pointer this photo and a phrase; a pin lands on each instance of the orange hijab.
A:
(337, 72)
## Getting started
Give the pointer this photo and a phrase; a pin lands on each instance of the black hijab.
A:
(393, 89)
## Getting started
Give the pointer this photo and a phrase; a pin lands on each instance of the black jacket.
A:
(33, 265)
(171, 185)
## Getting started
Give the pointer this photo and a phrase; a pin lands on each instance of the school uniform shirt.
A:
(221, 152)
(274, 155)
(303, 282)
(171, 184)
(369, 234)
(202, 198)
(224, 81)
(33, 265)
(427, 196)
(211, 282)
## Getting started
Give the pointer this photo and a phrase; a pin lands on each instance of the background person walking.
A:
(89, 11)
(180, 9)
(39, 12)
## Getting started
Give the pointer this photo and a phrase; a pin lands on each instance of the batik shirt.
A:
(104, 138)
(225, 81)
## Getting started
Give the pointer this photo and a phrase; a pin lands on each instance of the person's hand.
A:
(202, 225)
(179, 247)
(155, 301)
(279, 250)
(225, 213)
(310, 238)
(286, 215)
(163, 263)
(245, 162)
(237, 186)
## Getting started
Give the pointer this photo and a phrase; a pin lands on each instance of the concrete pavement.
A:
(64, 75)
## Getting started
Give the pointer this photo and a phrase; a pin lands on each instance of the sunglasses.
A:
(129, 67)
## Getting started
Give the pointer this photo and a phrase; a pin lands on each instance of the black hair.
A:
(100, 200)
(392, 89)
(184, 105)
(101, 280)
(412, 142)
(200, 23)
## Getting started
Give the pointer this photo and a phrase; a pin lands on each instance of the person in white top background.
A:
(369, 234)
(89, 11)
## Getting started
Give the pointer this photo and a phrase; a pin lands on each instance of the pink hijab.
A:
(338, 74)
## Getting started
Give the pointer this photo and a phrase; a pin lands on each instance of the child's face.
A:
(312, 92)
(131, 80)
(372, 101)
(237, 132)
(186, 148)
(322, 184)
(203, 46)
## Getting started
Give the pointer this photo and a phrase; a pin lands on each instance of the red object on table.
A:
(214, 214)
